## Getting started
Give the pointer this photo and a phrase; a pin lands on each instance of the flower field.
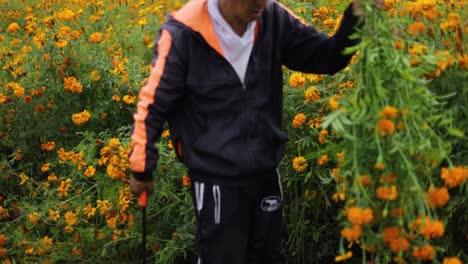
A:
(376, 166)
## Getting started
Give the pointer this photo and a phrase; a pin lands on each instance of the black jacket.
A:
(219, 127)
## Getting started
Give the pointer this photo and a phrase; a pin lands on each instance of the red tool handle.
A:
(143, 199)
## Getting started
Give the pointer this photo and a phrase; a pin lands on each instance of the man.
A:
(217, 80)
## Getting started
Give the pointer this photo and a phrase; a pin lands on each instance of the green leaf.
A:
(456, 132)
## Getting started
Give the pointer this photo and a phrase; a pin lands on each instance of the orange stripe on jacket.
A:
(145, 98)
(195, 15)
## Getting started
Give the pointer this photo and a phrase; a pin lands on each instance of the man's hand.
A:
(140, 186)
(357, 9)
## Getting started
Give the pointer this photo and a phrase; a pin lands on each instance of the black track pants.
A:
(239, 223)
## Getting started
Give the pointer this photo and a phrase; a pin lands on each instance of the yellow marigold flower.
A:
(70, 218)
(352, 233)
(312, 95)
(4, 212)
(333, 103)
(61, 43)
(23, 178)
(13, 27)
(438, 197)
(299, 120)
(66, 15)
(29, 250)
(166, 133)
(344, 257)
(47, 241)
(95, 76)
(89, 211)
(427, 252)
(81, 118)
(89, 172)
(71, 84)
(64, 187)
(103, 206)
(389, 112)
(358, 216)
(95, 37)
(112, 222)
(53, 215)
(314, 78)
(297, 79)
(300, 163)
(129, 99)
(34, 217)
(454, 177)
(115, 98)
(452, 260)
(385, 127)
(388, 193)
(52, 177)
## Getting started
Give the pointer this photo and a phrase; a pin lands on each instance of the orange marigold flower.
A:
(71, 84)
(427, 252)
(352, 233)
(186, 181)
(386, 127)
(438, 197)
(300, 163)
(2, 239)
(454, 177)
(388, 193)
(27, 99)
(390, 233)
(299, 120)
(389, 112)
(432, 229)
(398, 212)
(48, 146)
(399, 244)
(416, 28)
(452, 260)
(323, 136)
(399, 45)
(364, 180)
(388, 178)
(358, 216)
(95, 37)
(322, 160)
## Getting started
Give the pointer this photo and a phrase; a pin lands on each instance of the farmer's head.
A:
(244, 11)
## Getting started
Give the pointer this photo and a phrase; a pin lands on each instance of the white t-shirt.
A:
(236, 49)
